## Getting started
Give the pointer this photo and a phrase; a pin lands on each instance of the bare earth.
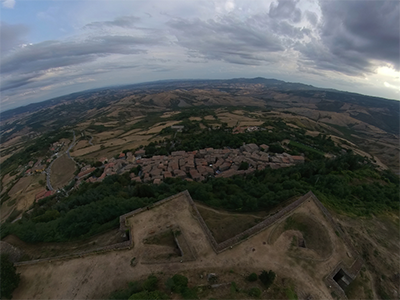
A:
(62, 171)
(96, 276)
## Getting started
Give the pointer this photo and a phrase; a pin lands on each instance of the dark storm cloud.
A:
(285, 9)
(311, 17)
(53, 54)
(283, 28)
(353, 34)
(11, 36)
(225, 39)
(124, 22)
(16, 82)
(22, 67)
(317, 56)
(250, 41)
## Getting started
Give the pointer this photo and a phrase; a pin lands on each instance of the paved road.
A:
(48, 173)
(71, 146)
(48, 170)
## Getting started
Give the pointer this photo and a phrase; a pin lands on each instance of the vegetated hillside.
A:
(257, 87)
(347, 184)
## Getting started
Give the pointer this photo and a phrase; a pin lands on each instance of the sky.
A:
(53, 48)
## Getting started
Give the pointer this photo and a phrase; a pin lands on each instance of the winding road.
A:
(90, 141)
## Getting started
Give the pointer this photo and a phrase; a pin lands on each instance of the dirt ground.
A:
(81, 144)
(44, 250)
(22, 184)
(115, 144)
(62, 171)
(159, 126)
(237, 120)
(5, 210)
(23, 195)
(7, 179)
(4, 157)
(226, 225)
(89, 277)
(27, 196)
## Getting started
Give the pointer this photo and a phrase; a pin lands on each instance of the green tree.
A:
(9, 278)
(244, 165)
(150, 284)
(252, 277)
(154, 295)
(254, 292)
(179, 283)
(267, 278)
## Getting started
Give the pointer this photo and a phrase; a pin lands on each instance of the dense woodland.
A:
(194, 138)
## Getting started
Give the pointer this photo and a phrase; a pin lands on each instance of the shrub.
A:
(179, 283)
(267, 278)
(188, 293)
(254, 292)
(234, 287)
(252, 277)
(134, 287)
(149, 295)
(244, 165)
(150, 284)
(9, 279)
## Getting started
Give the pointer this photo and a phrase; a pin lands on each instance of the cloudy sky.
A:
(52, 48)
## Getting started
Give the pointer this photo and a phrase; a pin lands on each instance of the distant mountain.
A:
(379, 112)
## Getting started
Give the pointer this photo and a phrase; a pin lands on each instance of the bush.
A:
(134, 287)
(244, 165)
(188, 293)
(276, 148)
(234, 287)
(150, 284)
(252, 277)
(154, 295)
(9, 279)
(178, 283)
(254, 292)
(267, 278)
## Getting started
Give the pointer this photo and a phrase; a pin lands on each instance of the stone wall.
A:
(217, 247)
(119, 246)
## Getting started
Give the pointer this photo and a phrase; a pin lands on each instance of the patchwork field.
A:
(22, 195)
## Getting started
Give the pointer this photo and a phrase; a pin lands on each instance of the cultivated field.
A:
(62, 171)
(22, 195)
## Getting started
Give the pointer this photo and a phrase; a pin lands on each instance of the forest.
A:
(194, 138)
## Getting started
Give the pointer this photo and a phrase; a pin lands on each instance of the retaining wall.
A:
(217, 247)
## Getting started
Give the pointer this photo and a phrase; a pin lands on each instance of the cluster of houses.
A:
(194, 165)
(56, 147)
(35, 167)
(43, 194)
(38, 167)
(243, 129)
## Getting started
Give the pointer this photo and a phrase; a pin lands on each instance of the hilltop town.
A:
(193, 165)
